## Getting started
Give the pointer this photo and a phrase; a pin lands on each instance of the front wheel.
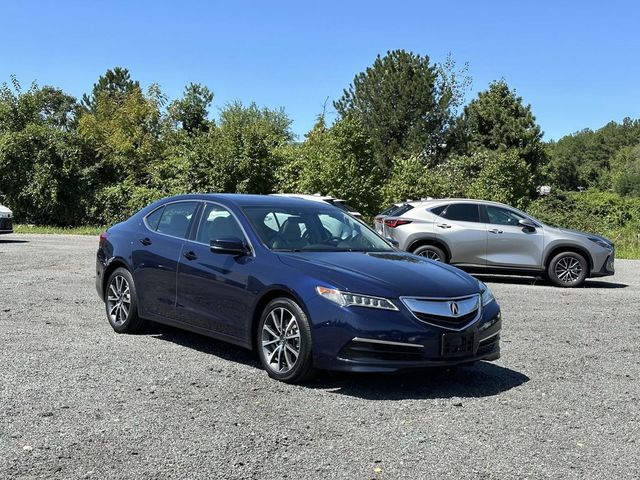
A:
(284, 341)
(567, 269)
(121, 302)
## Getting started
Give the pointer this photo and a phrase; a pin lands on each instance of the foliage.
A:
(584, 158)
(405, 105)
(114, 83)
(498, 120)
(191, 111)
(625, 171)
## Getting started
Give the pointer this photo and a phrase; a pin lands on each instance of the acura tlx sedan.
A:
(305, 284)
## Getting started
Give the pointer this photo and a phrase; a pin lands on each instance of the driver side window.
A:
(502, 216)
(217, 222)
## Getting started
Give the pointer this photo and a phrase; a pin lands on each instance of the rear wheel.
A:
(121, 302)
(567, 269)
(284, 341)
(431, 252)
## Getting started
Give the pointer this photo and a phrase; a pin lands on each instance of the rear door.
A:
(509, 244)
(155, 255)
(460, 227)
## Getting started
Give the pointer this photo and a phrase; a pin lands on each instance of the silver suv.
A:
(491, 237)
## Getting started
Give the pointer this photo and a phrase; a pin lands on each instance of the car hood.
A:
(385, 274)
(577, 233)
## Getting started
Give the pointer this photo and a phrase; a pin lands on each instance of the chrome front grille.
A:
(448, 313)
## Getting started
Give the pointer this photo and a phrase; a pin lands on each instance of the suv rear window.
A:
(401, 210)
(463, 212)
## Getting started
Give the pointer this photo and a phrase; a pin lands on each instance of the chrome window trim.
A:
(385, 342)
(235, 217)
(446, 299)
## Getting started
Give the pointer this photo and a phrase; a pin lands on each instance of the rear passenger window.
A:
(175, 218)
(154, 218)
(463, 212)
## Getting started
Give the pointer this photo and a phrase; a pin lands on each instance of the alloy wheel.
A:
(281, 340)
(118, 300)
(431, 255)
(568, 269)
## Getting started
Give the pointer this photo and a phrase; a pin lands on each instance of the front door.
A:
(213, 288)
(509, 244)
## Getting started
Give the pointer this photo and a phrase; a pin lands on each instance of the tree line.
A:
(402, 131)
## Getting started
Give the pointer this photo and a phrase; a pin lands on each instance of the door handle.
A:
(145, 241)
(495, 230)
(443, 225)
(190, 255)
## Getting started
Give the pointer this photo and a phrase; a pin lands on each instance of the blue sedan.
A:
(304, 284)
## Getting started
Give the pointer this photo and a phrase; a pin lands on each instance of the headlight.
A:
(487, 294)
(347, 299)
(601, 242)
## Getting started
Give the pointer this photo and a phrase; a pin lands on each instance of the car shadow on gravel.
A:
(481, 380)
(11, 240)
(202, 344)
(538, 281)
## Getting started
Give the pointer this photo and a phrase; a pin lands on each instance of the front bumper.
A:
(360, 339)
(604, 267)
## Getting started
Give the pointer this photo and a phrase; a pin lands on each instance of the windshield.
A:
(306, 229)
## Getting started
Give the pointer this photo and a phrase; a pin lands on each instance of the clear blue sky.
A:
(577, 63)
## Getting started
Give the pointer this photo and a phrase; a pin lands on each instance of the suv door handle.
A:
(495, 230)
(190, 255)
(443, 225)
(145, 241)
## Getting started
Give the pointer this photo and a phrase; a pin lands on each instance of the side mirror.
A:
(229, 246)
(393, 241)
(528, 224)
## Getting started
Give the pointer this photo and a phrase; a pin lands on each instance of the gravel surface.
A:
(79, 401)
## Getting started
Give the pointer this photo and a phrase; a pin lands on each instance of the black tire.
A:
(431, 252)
(568, 270)
(122, 317)
(301, 368)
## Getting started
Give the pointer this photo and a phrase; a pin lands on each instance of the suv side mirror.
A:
(528, 224)
(229, 246)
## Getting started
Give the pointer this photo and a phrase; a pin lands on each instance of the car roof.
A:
(304, 196)
(246, 199)
(437, 201)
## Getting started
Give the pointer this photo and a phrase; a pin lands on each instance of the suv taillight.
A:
(396, 222)
(103, 238)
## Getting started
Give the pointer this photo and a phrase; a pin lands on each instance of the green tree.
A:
(404, 104)
(191, 111)
(114, 83)
(625, 171)
(410, 179)
(338, 161)
(498, 120)
(505, 177)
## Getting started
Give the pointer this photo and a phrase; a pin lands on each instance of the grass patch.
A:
(84, 230)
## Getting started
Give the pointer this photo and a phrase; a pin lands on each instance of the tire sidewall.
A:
(133, 310)
(551, 271)
(304, 363)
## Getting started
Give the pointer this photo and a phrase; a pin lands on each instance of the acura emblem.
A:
(453, 306)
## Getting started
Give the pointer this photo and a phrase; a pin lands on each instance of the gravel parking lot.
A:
(79, 401)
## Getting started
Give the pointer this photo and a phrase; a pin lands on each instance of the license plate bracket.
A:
(456, 344)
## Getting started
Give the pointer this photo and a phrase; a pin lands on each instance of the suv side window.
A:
(438, 210)
(217, 222)
(463, 212)
(175, 218)
(502, 216)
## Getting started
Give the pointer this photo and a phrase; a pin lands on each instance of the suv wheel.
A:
(284, 341)
(431, 252)
(567, 269)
